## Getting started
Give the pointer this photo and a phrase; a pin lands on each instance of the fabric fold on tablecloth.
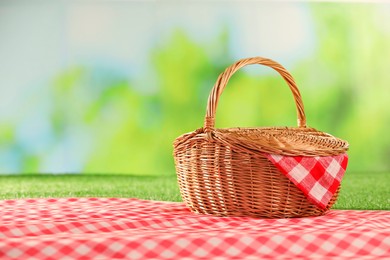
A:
(317, 177)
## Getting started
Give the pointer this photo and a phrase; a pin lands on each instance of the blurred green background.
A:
(106, 86)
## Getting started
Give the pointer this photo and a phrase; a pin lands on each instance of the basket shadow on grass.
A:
(359, 190)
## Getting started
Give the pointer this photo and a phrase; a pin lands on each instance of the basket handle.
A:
(224, 77)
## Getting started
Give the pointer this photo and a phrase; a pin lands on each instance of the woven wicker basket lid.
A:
(289, 141)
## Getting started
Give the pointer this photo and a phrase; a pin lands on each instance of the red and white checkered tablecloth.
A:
(317, 177)
(109, 228)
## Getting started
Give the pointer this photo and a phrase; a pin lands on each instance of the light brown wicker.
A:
(224, 172)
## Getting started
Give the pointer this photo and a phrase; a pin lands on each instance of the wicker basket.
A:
(224, 172)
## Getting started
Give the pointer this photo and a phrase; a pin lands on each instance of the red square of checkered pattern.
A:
(317, 177)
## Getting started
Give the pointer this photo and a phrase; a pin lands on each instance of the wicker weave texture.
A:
(224, 172)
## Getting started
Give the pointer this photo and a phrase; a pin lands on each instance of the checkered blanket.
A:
(317, 177)
(108, 228)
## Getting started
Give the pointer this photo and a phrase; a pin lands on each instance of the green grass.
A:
(85, 185)
(359, 190)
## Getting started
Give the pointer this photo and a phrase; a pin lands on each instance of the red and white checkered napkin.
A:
(317, 177)
(112, 228)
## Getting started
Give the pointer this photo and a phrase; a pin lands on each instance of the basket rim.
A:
(287, 141)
